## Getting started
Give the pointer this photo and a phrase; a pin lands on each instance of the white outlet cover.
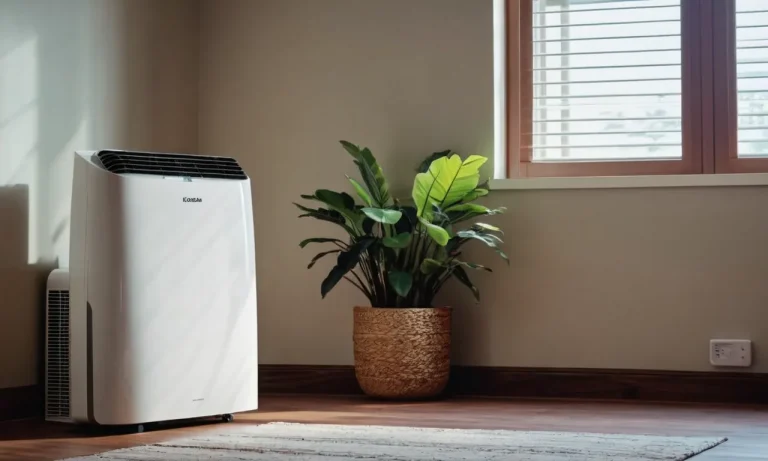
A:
(730, 352)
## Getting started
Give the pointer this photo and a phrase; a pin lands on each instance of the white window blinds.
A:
(606, 78)
(752, 76)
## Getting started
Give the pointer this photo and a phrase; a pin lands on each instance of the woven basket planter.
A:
(402, 353)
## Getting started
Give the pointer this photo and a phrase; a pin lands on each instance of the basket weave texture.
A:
(402, 353)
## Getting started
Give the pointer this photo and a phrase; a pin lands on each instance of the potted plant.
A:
(399, 255)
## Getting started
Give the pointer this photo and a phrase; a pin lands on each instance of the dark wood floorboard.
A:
(746, 427)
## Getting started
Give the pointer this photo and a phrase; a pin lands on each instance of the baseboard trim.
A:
(21, 402)
(308, 379)
(608, 384)
(510, 382)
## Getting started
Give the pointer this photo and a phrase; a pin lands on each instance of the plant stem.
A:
(378, 289)
(427, 250)
(359, 287)
(378, 277)
(442, 279)
(362, 285)
(365, 268)
(407, 253)
(414, 263)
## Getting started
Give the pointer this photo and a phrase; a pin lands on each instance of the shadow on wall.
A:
(14, 216)
(21, 288)
(42, 112)
(42, 118)
(80, 74)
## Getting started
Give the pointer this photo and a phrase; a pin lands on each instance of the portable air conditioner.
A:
(155, 319)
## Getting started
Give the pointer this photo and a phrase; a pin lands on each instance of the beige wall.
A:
(599, 278)
(283, 81)
(77, 74)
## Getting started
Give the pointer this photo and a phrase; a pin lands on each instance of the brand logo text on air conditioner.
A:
(193, 199)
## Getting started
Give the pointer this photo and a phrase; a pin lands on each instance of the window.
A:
(752, 77)
(637, 87)
(741, 85)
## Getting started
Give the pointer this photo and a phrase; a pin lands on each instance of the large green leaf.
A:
(353, 150)
(408, 221)
(397, 241)
(437, 233)
(446, 182)
(322, 214)
(361, 192)
(320, 240)
(489, 239)
(383, 215)
(337, 200)
(439, 216)
(452, 248)
(401, 282)
(465, 211)
(341, 202)
(474, 195)
(430, 266)
(472, 266)
(427, 162)
(346, 261)
(488, 227)
(374, 178)
(371, 172)
(469, 207)
(477, 234)
(320, 255)
(461, 276)
(330, 214)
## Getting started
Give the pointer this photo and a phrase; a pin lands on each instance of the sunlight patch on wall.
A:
(19, 118)
(19, 129)
(48, 175)
(18, 80)
(60, 192)
(18, 142)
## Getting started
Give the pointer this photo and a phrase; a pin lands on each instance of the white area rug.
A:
(310, 442)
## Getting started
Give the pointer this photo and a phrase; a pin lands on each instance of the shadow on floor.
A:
(34, 429)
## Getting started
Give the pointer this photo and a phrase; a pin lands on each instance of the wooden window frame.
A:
(709, 100)
(726, 95)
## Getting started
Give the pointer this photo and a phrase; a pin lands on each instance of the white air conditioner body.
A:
(162, 289)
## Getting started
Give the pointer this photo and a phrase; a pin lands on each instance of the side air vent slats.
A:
(57, 356)
(192, 166)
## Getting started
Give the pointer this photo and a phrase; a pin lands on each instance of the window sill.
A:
(632, 182)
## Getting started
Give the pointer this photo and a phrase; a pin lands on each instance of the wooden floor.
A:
(746, 427)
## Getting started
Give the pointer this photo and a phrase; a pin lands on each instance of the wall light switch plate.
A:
(730, 352)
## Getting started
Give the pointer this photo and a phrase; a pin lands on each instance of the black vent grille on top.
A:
(192, 166)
